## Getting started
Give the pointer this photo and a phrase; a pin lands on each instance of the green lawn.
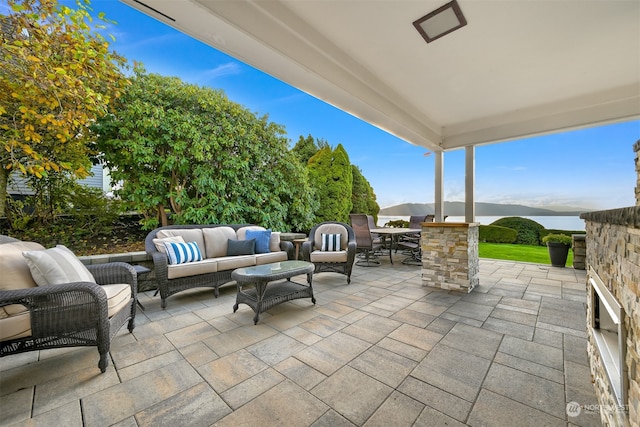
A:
(537, 254)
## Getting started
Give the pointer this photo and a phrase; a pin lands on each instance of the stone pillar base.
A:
(450, 255)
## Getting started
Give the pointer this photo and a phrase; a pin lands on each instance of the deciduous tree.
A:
(191, 151)
(58, 75)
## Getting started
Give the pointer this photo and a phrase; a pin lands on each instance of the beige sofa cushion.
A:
(274, 244)
(233, 262)
(56, 266)
(188, 235)
(192, 268)
(330, 229)
(328, 256)
(215, 240)
(14, 271)
(17, 325)
(15, 320)
(242, 231)
(271, 257)
(118, 296)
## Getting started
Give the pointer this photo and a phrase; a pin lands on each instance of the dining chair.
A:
(364, 241)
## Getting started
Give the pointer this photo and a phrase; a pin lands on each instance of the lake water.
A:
(572, 223)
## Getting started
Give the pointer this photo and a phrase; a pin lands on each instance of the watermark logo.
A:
(573, 409)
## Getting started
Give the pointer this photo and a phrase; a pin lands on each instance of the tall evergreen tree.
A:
(305, 148)
(362, 195)
(330, 174)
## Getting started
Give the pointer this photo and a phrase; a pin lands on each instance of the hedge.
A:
(497, 234)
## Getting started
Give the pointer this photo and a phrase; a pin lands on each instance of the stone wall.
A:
(450, 255)
(636, 149)
(613, 252)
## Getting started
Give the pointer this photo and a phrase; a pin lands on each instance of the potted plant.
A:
(558, 245)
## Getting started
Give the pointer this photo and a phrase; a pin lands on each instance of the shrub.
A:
(528, 230)
(497, 234)
(558, 238)
(545, 232)
(398, 223)
(79, 213)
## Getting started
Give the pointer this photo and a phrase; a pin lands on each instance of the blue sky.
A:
(590, 168)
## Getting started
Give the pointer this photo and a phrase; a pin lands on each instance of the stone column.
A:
(579, 251)
(636, 148)
(450, 255)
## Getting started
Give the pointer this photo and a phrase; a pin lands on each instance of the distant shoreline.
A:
(550, 222)
(482, 209)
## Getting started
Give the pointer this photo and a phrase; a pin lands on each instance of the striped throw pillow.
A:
(330, 242)
(180, 253)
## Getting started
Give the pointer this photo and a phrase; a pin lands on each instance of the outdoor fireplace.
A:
(613, 309)
(607, 328)
(613, 312)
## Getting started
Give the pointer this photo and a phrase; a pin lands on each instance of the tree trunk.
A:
(162, 215)
(4, 183)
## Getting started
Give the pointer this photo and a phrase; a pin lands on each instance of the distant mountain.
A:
(482, 209)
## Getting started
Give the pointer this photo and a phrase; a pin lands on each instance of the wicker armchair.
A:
(63, 315)
(333, 261)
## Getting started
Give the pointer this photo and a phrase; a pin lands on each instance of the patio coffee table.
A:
(257, 289)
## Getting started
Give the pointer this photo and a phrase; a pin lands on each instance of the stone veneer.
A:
(613, 252)
(579, 251)
(450, 255)
(636, 149)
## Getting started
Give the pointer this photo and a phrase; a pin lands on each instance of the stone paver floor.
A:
(382, 351)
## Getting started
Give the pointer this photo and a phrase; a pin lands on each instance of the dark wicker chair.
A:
(364, 241)
(72, 314)
(331, 261)
(377, 239)
(410, 242)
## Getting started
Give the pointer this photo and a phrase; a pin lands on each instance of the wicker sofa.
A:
(216, 265)
(38, 316)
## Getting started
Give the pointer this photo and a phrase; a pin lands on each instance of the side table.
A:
(141, 270)
(298, 243)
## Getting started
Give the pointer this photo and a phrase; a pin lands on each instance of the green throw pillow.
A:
(241, 247)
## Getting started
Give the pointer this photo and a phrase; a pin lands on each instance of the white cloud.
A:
(150, 42)
(228, 69)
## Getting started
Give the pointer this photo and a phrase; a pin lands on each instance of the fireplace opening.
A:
(609, 334)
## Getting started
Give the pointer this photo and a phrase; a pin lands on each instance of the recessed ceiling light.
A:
(441, 21)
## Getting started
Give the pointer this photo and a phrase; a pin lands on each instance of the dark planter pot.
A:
(558, 252)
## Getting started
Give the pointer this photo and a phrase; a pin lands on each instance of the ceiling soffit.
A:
(523, 69)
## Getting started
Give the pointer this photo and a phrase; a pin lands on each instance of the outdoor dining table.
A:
(394, 233)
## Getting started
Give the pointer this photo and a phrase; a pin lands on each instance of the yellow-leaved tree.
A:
(58, 76)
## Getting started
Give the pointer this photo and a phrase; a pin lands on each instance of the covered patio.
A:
(383, 350)
(508, 70)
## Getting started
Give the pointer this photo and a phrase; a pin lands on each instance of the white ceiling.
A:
(518, 68)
